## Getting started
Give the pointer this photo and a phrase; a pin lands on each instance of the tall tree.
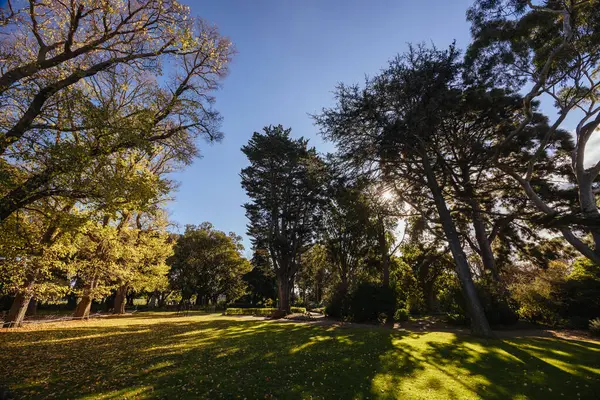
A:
(351, 229)
(551, 49)
(81, 82)
(392, 128)
(284, 184)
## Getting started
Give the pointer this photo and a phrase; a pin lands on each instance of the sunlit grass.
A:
(162, 355)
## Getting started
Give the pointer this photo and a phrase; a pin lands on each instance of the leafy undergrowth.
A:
(162, 355)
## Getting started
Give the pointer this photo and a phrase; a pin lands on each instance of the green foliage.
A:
(408, 293)
(559, 295)
(110, 103)
(261, 284)
(401, 315)
(498, 309)
(595, 327)
(315, 279)
(338, 305)
(264, 312)
(369, 301)
(208, 263)
(285, 185)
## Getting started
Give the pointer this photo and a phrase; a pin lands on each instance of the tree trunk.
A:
(479, 323)
(162, 298)
(485, 247)
(428, 294)
(120, 300)
(83, 307)
(283, 284)
(17, 311)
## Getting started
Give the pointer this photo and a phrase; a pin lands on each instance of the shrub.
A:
(262, 312)
(560, 295)
(595, 327)
(401, 315)
(250, 311)
(369, 301)
(497, 306)
(496, 303)
(338, 306)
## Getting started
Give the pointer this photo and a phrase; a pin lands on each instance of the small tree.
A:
(208, 263)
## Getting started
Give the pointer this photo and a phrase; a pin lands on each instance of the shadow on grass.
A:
(187, 358)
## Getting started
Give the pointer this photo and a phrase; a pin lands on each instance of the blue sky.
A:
(290, 56)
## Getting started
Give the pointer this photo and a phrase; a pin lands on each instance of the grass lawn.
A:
(161, 355)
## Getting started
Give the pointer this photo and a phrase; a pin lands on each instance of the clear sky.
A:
(290, 56)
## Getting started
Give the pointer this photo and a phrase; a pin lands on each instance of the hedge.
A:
(265, 312)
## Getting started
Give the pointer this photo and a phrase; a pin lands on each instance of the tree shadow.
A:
(227, 358)
(520, 367)
(189, 359)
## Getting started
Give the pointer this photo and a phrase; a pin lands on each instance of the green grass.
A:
(161, 355)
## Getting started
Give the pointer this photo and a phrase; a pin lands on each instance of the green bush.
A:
(499, 309)
(369, 301)
(250, 311)
(595, 327)
(401, 315)
(338, 306)
(262, 312)
(560, 294)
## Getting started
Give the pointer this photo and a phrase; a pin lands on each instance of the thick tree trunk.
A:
(283, 283)
(83, 307)
(17, 311)
(479, 323)
(428, 295)
(120, 300)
